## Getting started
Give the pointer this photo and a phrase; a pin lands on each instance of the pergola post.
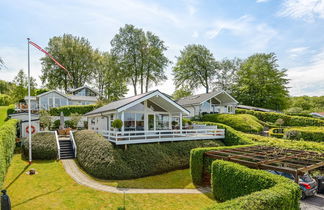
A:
(145, 116)
(123, 119)
(180, 121)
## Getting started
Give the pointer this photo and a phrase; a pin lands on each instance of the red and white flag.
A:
(49, 55)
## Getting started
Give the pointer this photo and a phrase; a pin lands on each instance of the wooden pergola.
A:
(296, 162)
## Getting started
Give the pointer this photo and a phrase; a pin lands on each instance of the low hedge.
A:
(276, 132)
(241, 122)
(11, 109)
(68, 110)
(7, 145)
(232, 136)
(199, 163)
(288, 120)
(305, 133)
(102, 159)
(244, 188)
(44, 146)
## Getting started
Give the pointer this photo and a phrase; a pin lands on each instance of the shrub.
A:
(44, 146)
(56, 124)
(232, 136)
(11, 109)
(45, 119)
(276, 132)
(305, 133)
(68, 110)
(5, 100)
(117, 123)
(75, 119)
(186, 121)
(244, 188)
(199, 164)
(69, 124)
(7, 145)
(102, 159)
(3, 114)
(241, 122)
(289, 120)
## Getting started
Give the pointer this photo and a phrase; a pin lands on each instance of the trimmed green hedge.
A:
(68, 110)
(288, 120)
(7, 146)
(102, 159)
(305, 133)
(275, 132)
(244, 188)
(5, 100)
(199, 163)
(11, 109)
(232, 136)
(241, 122)
(44, 146)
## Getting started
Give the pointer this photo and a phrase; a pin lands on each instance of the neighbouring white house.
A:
(80, 96)
(213, 102)
(148, 117)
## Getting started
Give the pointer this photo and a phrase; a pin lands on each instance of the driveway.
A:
(313, 203)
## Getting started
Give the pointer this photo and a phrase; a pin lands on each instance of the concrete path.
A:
(73, 170)
(313, 203)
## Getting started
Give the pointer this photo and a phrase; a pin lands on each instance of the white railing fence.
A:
(74, 146)
(58, 145)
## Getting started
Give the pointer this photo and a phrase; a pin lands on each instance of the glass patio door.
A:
(151, 121)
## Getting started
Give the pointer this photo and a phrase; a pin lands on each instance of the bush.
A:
(44, 146)
(68, 110)
(102, 159)
(7, 145)
(199, 163)
(240, 122)
(11, 109)
(5, 100)
(117, 123)
(244, 188)
(289, 120)
(276, 132)
(56, 124)
(305, 133)
(232, 136)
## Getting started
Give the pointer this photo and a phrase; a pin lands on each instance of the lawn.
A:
(3, 114)
(179, 179)
(52, 188)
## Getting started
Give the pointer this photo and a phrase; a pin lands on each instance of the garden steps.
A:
(66, 149)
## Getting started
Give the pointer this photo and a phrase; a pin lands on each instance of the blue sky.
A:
(293, 29)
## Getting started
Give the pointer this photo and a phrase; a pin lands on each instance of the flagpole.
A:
(29, 111)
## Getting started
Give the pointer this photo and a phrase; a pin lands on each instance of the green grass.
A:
(179, 179)
(52, 188)
(3, 114)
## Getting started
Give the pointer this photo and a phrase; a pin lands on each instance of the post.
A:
(180, 122)
(29, 111)
(145, 116)
(123, 119)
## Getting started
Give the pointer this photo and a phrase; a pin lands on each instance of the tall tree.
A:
(140, 56)
(195, 67)
(226, 76)
(110, 81)
(76, 54)
(182, 92)
(20, 89)
(261, 83)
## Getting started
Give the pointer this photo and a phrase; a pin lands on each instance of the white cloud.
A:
(308, 10)
(308, 79)
(261, 1)
(297, 51)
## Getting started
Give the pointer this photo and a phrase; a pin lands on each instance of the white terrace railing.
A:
(137, 137)
(74, 146)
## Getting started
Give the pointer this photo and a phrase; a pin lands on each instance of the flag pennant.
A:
(49, 55)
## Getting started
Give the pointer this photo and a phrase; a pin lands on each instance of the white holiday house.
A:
(213, 102)
(148, 117)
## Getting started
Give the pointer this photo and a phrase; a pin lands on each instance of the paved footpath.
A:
(73, 170)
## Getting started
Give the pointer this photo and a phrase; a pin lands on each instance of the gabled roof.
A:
(82, 98)
(85, 86)
(52, 91)
(125, 103)
(200, 98)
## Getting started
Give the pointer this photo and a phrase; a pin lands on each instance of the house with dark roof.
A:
(148, 117)
(45, 101)
(213, 102)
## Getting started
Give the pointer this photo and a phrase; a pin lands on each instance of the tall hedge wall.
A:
(288, 120)
(244, 188)
(44, 146)
(68, 110)
(102, 159)
(7, 145)
(241, 122)
(305, 133)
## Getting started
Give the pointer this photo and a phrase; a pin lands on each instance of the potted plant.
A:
(117, 124)
(174, 124)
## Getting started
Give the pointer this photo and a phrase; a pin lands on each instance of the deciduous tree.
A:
(181, 92)
(226, 75)
(195, 67)
(20, 90)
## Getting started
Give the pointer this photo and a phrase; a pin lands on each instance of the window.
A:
(57, 102)
(133, 121)
(162, 121)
